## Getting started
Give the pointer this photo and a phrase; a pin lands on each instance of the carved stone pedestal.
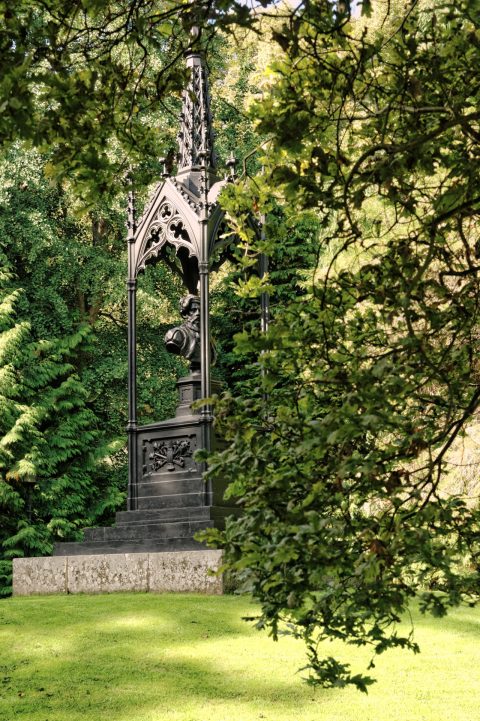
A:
(170, 499)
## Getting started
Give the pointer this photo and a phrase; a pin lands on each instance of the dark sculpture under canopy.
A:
(185, 339)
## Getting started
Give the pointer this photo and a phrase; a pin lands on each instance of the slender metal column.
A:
(206, 415)
(132, 358)
(264, 300)
(205, 335)
(265, 297)
(205, 349)
(203, 269)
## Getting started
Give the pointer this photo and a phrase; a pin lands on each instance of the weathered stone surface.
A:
(174, 571)
(107, 573)
(185, 571)
(39, 576)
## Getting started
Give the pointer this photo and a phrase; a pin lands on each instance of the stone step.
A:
(197, 513)
(173, 500)
(134, 546)
(170, 485)
(177, 474)
(193, 513)
(139, 531)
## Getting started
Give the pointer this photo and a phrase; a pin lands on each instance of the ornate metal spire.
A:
(195, 139)
(183, 225)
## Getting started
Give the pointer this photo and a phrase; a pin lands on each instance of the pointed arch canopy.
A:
(171, 220)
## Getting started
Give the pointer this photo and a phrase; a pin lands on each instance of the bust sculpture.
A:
(184, 340)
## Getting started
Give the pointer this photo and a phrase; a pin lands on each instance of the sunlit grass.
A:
(136, 657)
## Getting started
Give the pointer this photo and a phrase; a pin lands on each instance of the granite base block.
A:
(33, 576)
(174, 571)
(188, 571)
(107, 573)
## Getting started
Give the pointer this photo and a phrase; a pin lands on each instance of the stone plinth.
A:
(174, 571)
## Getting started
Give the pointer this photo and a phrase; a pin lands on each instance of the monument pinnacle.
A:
(196, 137)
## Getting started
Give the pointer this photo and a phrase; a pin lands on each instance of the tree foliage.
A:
(50, 440)
(366, 382)
(80, 80)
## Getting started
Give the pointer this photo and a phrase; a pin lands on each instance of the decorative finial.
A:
(163, 162)
(196, 132)
(231, 165)
(131, 214)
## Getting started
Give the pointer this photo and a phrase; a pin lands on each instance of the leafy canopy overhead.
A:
(80, 80)
(341, 458)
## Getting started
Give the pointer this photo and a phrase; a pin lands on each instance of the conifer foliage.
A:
(49, 437)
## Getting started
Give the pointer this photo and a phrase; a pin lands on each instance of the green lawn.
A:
(136, 657)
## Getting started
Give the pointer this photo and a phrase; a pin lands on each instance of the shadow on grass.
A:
(145, 655)
(138, 657)
(461, 620)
